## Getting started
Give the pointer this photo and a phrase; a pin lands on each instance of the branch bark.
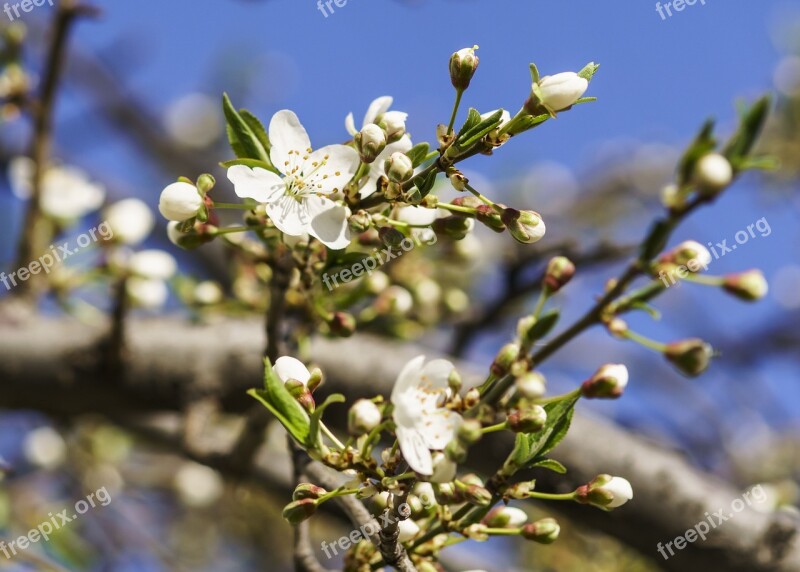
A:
(51, 365)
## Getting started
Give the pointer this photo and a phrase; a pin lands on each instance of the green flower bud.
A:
(490, 217)
(531, 385)
(544, 531)
(363, 417)
(505, 517)
(456, 227)
(308, 491)
(474, 494)
(300, 510)
(605, 492)
(463, 65)
(342, 324)
(360, 221)
(748, 286)
(526, 227)
(470, 432)
(504, 359)
(390, 236)
(608, 382)
(370, 142)
(205, 183)
(692, 357)
(399, 168)
(528, 420)
(456, 451)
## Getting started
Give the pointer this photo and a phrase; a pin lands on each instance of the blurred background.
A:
(141, 105)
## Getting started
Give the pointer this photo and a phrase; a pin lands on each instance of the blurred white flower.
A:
(44, 447)
(208, 292)
(131, 220)
(148, 293)
(153, 263)
(198, 485)
(194, 120)
(67, 193)
(408, 530)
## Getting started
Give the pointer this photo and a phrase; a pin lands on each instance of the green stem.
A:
(328, 433)
(231, 230)
(550, 496)
(459, 94)
(543, 296)
(457, 209)
(644, 341)
(233, 206)
(494, 428)
(557, 398)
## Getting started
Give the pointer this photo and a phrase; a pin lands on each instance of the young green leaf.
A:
(282, 405)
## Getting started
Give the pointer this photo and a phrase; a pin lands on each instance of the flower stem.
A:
(233, 206)
(551, 496)
(494, 428)
(644, 341)
(328, 433)
(459, 94)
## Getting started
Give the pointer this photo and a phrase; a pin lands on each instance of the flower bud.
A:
(363, 417)
(131, 221)
(180, 201)
(456, 452)
(454, 379)
(504, 359)
(520, 490)
(446, 494)
(692, 357)
(463, 65)
(301, 393)
(556, 93)
(360, 221)
(474, 494)
(528, 420)
(476, 532)
(505, 517)
(390, 236)
(370, 142)
(605, 492)
(560, 271)
(472, 398)
(455, 227)
(526, 227)
(444, 470)
(749, 286)
(608, 382)
(490, 218)
(531, 385)
(399, 168)
(458, 180)
(712, 174)
(470, 432)
(308, 491)
(689, 253)
(205, 183)
(300, 510)
(315, 379)
(544, 531)
(393, 124)
(342, 324)
(408, 530)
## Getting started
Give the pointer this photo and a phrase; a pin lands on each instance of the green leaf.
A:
(559, 418)
(550, 464)
(257, 128)
(589, 70)
(544, 325)
(252, 163)
(314, 439)
(473, 119)
(703, 144)
(244, 142)
(425, 182)
(520, 456)
(418, 153)
(656, 240)
(645, 307)
(282, 405)
(752, 122)
(480, 130)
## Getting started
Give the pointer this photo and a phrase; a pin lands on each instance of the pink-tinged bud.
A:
(749, 286)
(560, 271)
(490, 218)
(505, 517)
(691, 254)
(301, 393)
(605, 492)
(298, 511)
(544, 531)
(308, 491)
(526, 227)
(692, 356)
(608, 382)
(342, 324)
(528, 420)
(712, 174)
(474, 494)
(463, 65)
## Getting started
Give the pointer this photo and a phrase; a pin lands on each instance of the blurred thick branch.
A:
(53, 366)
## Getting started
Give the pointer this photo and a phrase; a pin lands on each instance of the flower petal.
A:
(409, 377)
(287, 368)
(350, 124)
(329, 169)
(289, 215)
(376, 108)
(257, 183)
(414, 450)
(439, 428)
(290, 142)
(328, 222)
(435, 374)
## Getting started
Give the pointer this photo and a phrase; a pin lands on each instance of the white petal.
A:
(287, 135)
(328, 222)
(376, 108)
(439, 428)
(287, 368)
(289, 215)
(416, 454)
(329, 169)
(435, 374)
(409, 377)
(257, 183)
(417, 215)
(20, 175)
(350, 124)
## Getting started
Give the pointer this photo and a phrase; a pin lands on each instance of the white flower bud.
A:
(605, 492)
(393, 124)
(463, 65)
(408, 530)
(399, 168)
(370, 142)
(558, 92)
(691, 254)
(506, 517)
(713, 173)
(526, 227)
(608, 382)
(749, 285)
(131, 220)
(621, 491)
(180, 201)
(531, 385)
(363, 417)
